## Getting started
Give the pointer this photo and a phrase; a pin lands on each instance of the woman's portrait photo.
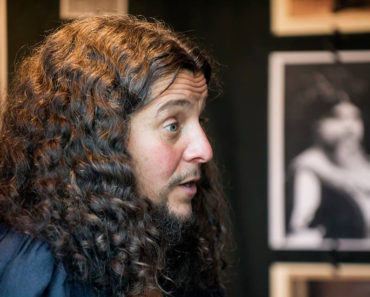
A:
(324, 154)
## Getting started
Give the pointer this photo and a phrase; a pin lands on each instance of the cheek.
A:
(358, 129)
(329, 130)
(162, 160)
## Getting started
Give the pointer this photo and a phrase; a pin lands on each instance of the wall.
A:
(237, 33)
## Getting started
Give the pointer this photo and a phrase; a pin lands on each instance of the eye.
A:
(173, 127)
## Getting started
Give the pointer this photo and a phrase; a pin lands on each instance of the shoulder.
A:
(310, 159)
(27, 266)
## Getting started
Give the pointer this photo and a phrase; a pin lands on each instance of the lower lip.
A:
(191, 191)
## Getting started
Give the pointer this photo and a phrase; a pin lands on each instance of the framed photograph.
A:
(315, 17)
(319, 280)
(319, 144)
(3, 50)
(71, 9)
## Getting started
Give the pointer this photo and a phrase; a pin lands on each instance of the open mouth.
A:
(188, 185)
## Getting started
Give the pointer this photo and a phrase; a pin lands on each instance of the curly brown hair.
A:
(65, 174)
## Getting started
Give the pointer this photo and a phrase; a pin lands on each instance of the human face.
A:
(168, 144)
(345, 125)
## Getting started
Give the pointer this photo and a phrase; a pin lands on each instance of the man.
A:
(107, 187)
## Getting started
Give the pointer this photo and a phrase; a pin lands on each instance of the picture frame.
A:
(319, 280)
(3, 50)
(71, 9)
(295, 107)
(308, 17)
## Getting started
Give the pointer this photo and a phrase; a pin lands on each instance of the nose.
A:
(198, 148)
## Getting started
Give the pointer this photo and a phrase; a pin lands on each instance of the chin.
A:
(182, 213)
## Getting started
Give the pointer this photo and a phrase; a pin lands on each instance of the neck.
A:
(349, 154)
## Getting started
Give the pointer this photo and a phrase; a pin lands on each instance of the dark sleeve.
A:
(28, 268)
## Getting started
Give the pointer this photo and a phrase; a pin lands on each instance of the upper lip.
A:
(190, 180)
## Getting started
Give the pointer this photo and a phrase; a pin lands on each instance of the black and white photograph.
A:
(319, 145)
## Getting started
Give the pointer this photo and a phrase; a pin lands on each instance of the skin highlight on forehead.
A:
(196, 86)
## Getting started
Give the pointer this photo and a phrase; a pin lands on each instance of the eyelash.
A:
(203, 121)
(172, 124)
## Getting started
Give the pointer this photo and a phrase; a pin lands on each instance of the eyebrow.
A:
(174, 103)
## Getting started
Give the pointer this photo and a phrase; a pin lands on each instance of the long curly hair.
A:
(65, 174)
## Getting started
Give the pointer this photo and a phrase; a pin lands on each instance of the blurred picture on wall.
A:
(319, 150)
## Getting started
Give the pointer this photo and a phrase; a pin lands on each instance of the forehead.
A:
(185, 85)
(346, 110)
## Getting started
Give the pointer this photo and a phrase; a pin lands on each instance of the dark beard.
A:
(173, 229)
(180, 237)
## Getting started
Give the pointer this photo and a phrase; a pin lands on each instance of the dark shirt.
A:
(28, 269)
(339, 214)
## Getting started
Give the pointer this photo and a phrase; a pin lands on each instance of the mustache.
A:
(176, 180)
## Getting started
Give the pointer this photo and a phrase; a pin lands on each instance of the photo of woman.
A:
(326, 165)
